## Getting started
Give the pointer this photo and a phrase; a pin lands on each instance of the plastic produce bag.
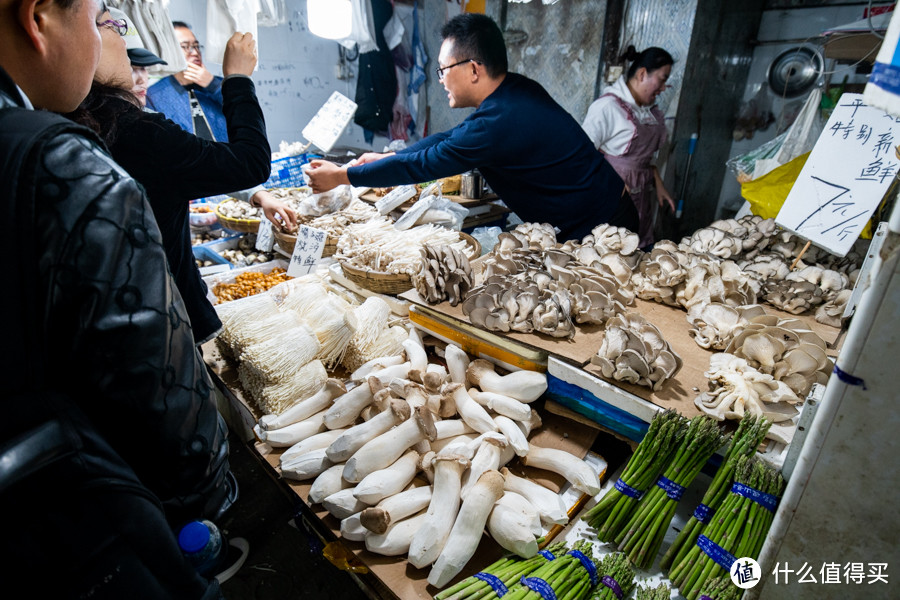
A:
(798, 139)
(487, 237)
(435, 210)
(754, 115)
(327, 202)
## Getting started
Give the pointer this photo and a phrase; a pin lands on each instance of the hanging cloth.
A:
(223, 19)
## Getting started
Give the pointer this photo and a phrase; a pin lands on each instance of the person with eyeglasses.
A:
(108, 408)
(193, 97)
(531, 152)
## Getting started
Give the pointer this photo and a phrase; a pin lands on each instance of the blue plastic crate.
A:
(286, 171)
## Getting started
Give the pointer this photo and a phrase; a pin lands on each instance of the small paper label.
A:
(265, 241)
(307, 251)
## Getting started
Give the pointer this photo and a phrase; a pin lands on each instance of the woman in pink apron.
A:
(627, 127)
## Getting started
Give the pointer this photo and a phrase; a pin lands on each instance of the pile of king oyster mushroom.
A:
(411, 457)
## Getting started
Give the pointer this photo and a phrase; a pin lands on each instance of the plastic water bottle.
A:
(203, 545)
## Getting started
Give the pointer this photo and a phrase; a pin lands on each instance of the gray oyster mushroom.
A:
(444, 274)
(633, 350)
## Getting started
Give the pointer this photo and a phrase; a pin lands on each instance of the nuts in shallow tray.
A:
(248, 284)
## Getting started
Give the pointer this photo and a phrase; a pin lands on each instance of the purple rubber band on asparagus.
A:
(705, 597)
(493, 581)
(547, 554)
(613, 585)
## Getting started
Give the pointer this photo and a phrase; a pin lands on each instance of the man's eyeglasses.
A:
(440, 70)
(120, 26)
(187, 47)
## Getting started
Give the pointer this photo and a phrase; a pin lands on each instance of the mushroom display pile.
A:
(377, 246)
(444, 274)
(411, 457)
(736, 388)
(714, 325)
(634, 351)
(530, 284)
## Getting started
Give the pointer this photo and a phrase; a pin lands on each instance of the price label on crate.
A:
(265, 240)
(307, 251)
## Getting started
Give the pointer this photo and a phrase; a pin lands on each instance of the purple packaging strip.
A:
(628, 490)
(703, 513)
(705, 597)
(672, 489)
(720, 556)
(547, 554)
(587, 563)
(613, 585)
(767, 501)
(536, 584)
(493, 581)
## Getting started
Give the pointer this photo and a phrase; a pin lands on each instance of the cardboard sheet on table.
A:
(679, 392)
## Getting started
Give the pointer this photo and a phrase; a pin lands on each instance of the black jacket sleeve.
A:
(174, 165)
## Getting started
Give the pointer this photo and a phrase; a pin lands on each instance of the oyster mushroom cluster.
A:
(669, 275)
(731, 238)
(444, 274)
(832, 312)
(736, 388)
(714, 325)
(633, 350)
(546, 290)
(805, 288)
(785, 349)
(528, 235)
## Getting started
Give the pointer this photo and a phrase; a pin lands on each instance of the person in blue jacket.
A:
(531, 152)
(193, 97)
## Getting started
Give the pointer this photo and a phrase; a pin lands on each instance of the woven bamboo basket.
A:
(240, 225)
(393, 283)
(287, 241)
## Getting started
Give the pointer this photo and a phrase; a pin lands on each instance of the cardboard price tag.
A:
(307, 251)
(265, 240)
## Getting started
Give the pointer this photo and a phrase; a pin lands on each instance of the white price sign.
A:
(845, 178)
(307, 251)
(265, 240)
(329, 122)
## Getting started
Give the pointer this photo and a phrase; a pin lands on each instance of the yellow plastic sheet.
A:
(341, 557)
(768, 193)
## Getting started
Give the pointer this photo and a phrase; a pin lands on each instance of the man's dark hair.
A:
(477, 37)
(652, 58)
(181, 24)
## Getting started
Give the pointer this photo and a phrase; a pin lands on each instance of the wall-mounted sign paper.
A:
(329, 122)
(307, 251)
(883, 88)
(845, 178)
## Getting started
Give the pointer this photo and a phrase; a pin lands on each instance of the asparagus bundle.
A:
(660, 592)
(616, 578)
(643, 535)
(749, 435)
(569, 577)
(499, 576)
(720, 588)
(738, 529)
(611, 513)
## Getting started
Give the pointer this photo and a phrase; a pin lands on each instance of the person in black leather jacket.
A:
(175, 166)
(108, 412)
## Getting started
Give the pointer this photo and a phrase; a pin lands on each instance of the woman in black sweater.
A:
(176, 167)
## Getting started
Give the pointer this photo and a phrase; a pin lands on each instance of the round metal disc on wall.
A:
(795, 71)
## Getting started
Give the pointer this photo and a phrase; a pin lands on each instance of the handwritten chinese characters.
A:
(326, 126)
(307, 251)
(845, 177)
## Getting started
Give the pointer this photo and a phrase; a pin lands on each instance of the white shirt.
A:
(607, 124)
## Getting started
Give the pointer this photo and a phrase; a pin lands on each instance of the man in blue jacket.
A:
(193, 97)
(533, 153)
